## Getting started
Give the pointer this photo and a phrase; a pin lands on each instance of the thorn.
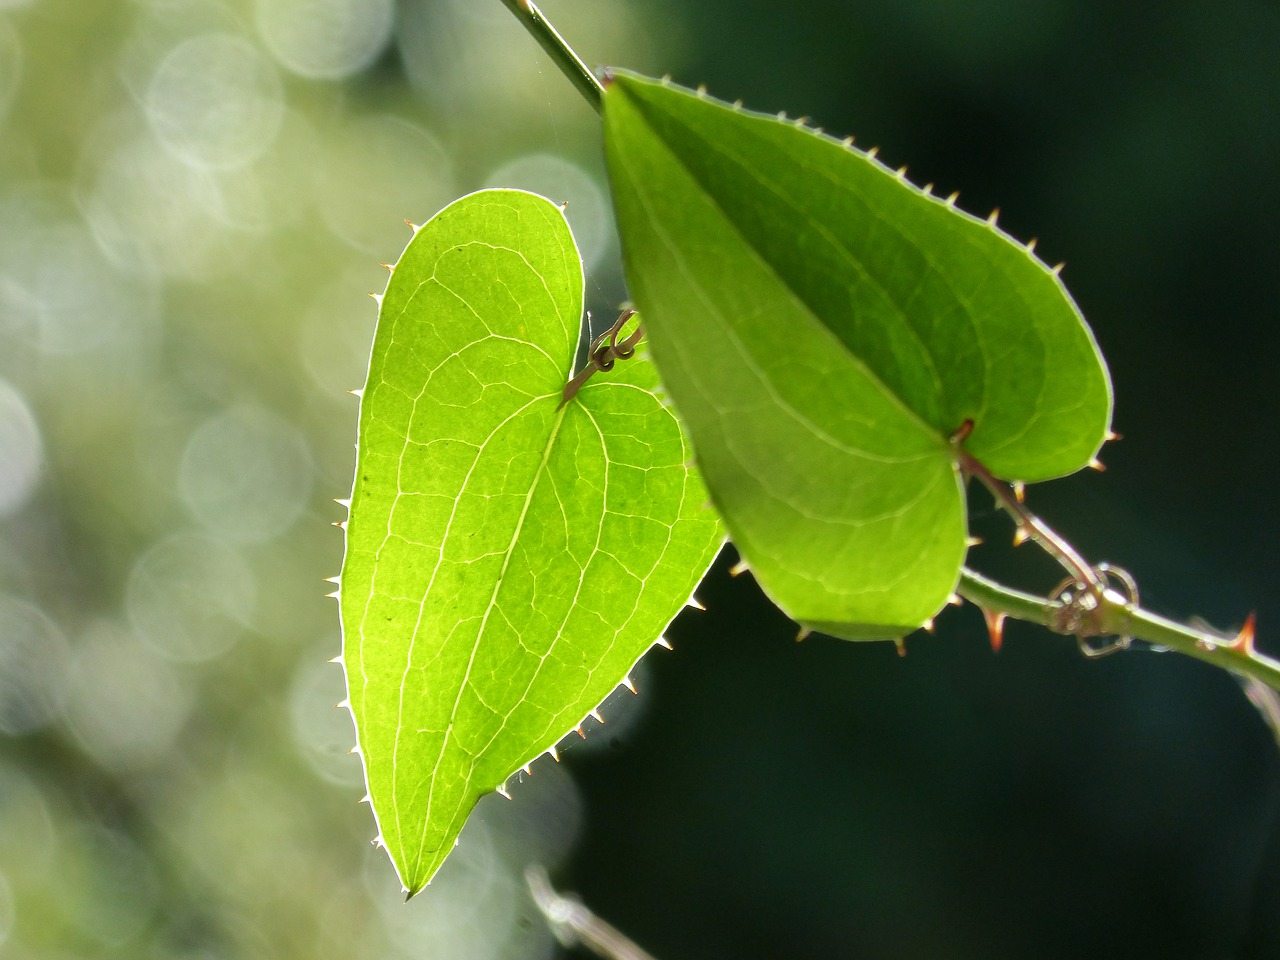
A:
(1020, 537)
(355, 751)
(502, 789)
(663, 642)
(738, 568)
(951, 200)
(695, 603)
(564, 205)
(390, 267)
(627, 682)
(595, 715)
(555, 755)
(340, 524)
(973, 541)
(818, 131)
(871, 154)
(737, 104)
(337, 660)
(803, 634)
(955, 600)
(995, 215)
(781, 114)
(1031, 245)
(579, 732)
(800, 121)
(528, 772)
(847, 141)
(342, 503)
(1243, 643)
(1112, 436)
(1020, 491)
(358, 392)
(1056, 269)
(343, 704)
(927, 189)
(1096, 464)
(377, 298)
(334, 596)
(330, 579)
(995, 628)
(927, 626)
(379, 842)
(365, 799)
(415, 227)
(902, 172)
(901, 645)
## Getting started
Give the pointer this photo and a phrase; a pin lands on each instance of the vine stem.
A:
(561, 53)
(573, 922)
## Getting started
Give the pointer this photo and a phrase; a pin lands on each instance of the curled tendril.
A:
(1078, 605)
(604, 351)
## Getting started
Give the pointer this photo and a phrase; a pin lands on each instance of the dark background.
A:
(172, 779)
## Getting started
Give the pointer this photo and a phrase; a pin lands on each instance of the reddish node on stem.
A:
(1243, 643)
(995, 628)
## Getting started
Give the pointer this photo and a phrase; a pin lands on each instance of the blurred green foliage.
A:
(194, 199)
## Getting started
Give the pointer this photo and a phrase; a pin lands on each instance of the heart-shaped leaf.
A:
(508, 558)
(824, 329)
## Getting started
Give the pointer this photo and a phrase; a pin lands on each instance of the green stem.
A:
(570, 63)
(1113, 616)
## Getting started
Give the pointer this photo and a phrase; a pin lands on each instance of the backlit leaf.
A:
(508, 559)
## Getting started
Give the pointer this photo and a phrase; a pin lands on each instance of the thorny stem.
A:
(561, 53)
(1086, 604)
(573, 923)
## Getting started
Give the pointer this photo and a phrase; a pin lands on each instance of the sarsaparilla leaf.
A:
(508, 558)
(824, 329)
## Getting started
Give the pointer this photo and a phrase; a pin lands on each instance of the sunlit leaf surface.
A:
(508, 559)
(824, 328)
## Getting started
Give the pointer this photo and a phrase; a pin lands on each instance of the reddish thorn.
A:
(1243, 643)
(580, 733)
(901, 644)
(1113, 436)
(995, 628)
(1096, 464)
(1020, 491)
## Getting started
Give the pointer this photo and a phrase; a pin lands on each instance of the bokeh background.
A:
(195, 196)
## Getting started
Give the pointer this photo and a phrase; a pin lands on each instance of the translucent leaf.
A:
(824, 328)
(508, 559)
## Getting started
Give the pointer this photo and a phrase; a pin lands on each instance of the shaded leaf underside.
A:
(824, 328)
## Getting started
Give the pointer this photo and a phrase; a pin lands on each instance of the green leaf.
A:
(508, 559)
(824, 328)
